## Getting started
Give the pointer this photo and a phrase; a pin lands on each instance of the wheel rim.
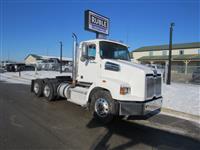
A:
(102, 107)
(36, 88)
(46, 91)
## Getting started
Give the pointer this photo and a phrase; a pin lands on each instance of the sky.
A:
(37, 26)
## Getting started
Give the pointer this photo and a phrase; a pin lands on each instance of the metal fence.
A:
(186, 74)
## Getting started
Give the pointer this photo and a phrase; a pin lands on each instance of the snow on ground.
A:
(27, 76)
(38, 74)
(177, 96)
(182, 97)
(14, 80)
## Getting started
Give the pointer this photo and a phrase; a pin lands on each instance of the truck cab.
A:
(106, 64)
(106, 82)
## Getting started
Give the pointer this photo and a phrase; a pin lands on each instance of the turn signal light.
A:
(124, 90)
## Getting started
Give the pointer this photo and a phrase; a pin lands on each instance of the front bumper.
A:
(127, 108)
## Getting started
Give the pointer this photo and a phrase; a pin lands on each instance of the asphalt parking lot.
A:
(28, 122)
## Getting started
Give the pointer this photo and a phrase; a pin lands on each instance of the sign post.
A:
(97, 23)
(170, 54)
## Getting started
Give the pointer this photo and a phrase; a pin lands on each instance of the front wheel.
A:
(102, 106)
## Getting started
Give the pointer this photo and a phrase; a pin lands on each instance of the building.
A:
(185, 59)
(182, 54)
(33, 59)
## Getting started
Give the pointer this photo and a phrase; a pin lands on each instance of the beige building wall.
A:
(157, 53)
(186, 51)
(30, 60)
(191, 51)
(137, 55)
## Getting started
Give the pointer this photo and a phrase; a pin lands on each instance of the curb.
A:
(169, 129)
(181, 115)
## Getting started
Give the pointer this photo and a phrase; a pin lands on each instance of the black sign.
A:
(96, 22)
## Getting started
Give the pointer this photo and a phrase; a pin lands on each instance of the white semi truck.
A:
(105, 81)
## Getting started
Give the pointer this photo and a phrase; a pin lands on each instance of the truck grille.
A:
(153, 86)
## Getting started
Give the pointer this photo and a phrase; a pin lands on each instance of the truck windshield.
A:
(110, 50)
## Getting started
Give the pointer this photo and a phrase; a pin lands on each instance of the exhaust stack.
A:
(74, 68)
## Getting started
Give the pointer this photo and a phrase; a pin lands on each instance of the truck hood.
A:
(130, 65)
(130, 74)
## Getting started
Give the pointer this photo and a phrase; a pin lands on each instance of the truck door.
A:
(89, 68)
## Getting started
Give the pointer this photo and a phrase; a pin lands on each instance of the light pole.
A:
(170, 54)
(61, 57)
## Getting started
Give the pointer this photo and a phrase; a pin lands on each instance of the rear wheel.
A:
(48, 91)
(38, 88)
(102, 106)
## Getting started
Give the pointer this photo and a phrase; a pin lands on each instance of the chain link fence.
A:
(186, 74)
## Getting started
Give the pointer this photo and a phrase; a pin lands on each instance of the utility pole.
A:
(170, 54)
(61, 57)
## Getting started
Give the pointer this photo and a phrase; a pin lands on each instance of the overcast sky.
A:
(34, 26)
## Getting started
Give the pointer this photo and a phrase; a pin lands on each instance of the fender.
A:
(108, 84)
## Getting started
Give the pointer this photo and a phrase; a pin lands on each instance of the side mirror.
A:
(84, 53)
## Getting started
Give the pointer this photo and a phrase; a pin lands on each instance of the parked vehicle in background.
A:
(158, 67)
(4, 63)
(67, 68)
(196, 75)
(1, 70)
(10, 68)
(14, 67)
(48, 64)
(28, 68)
(53, 64)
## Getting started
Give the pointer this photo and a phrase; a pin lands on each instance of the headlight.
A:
(124, 90)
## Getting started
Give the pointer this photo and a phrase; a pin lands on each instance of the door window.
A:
(91, 51)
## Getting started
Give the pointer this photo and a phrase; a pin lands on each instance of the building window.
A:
(151, 53)
(164, 53)
(181, 52)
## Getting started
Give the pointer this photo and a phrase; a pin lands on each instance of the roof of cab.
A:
(106, 40)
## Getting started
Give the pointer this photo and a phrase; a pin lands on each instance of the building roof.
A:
(166, 47)
(34, 55)
(174, 57)
(39, 57)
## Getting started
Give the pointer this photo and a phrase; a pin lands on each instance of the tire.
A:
(102, 99)
(48, 91)
(38, 88)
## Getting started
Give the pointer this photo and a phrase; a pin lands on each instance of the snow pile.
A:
(182, 97)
